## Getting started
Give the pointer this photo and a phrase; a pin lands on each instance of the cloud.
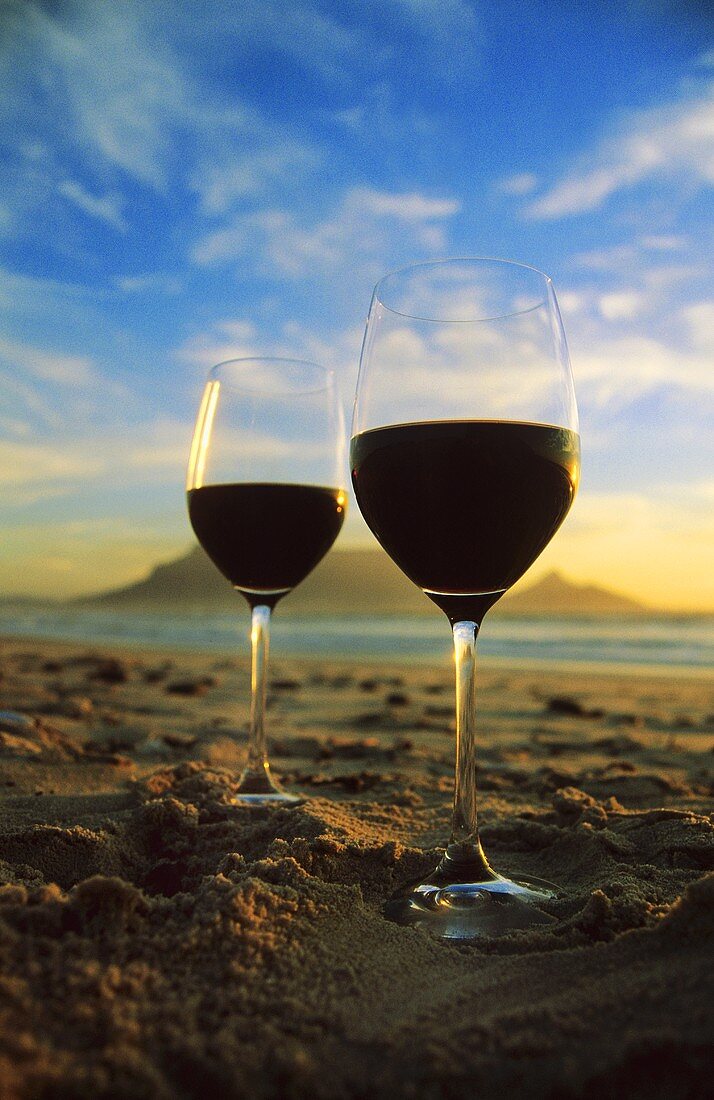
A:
(106, 208)
(614, 258)
(521, 184)
(317, 41)
(452, 32)
(360, 227)
(142, 102)
(251, 173)
(80, 461)
(41, 464)
(117, 90)
(571, 301)
(7, 219)
(54, 393)
(663, 242)
(643, 277)
(617, 373)
(38, 315)
(672, 140)
(699, 318)
(631, 254)
(441, 37)
(23, 295)
(154, 281)
(225, 340)
(655, 545)
(162, 445)
(405, 207)
(65, 370)
(668, 505)
(621, 305)
(239, 339)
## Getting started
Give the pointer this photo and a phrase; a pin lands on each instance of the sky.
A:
(182, 183)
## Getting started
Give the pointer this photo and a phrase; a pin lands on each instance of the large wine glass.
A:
(465, 461)
(266, 501)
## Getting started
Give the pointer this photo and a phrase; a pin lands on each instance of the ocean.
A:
(666, 645)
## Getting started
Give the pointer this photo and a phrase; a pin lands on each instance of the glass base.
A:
(256, 787)
(462, 910)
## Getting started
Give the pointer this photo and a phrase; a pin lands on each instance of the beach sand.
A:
(158, 941)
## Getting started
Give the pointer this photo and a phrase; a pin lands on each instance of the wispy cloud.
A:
(118, 91)
(106, 208)
(676, 139)
(150, 282)
(699, 318)
(521, 184)
(235, 339)
(623, 304)
(250, 173)
(40, 464)
(135, 109)
(646, 279)
(657, 544)
(452, 29)
(444, 37)
(616, 373)
(85, 459)
(316, 40)
(54, 393)
(664, 242)
(66, 370)
(360, 227)
(627, 255)
(405, 207)
(61, 309)
(240, 339)
(671, 505)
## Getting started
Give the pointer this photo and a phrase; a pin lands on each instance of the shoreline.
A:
(424, 662)
(703, 672)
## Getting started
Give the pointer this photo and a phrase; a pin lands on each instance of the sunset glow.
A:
(230, 182)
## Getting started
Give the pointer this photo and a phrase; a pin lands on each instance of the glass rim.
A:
(376, 295)
(326, 375)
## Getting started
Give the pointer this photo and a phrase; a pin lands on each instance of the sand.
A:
(159, 942)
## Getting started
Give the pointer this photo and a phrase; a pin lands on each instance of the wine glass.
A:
(465, 461)
(266, 500)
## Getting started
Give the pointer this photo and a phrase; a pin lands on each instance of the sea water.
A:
(662, 645)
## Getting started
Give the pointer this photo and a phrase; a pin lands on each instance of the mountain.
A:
(348, 582)
(345, 582)
(554, 595)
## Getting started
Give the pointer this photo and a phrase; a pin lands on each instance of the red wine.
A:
(465, 506)
(266, 538)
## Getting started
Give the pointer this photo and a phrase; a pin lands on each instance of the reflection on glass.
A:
(465, 461)
(266, 502)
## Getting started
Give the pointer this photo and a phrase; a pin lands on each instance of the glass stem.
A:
(464, 844)
(260, 647)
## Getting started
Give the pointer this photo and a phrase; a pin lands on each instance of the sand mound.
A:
(197, 949)
(158, 941)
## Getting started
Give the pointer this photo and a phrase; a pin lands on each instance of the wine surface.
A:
(266, 538)
(465, 506)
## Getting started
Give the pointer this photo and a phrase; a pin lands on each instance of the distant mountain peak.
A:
(360, 581)
(556, 594)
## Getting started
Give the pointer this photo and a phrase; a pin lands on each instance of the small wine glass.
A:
(266, 501)
(465, 461)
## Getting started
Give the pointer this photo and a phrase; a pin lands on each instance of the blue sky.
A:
(182, 183)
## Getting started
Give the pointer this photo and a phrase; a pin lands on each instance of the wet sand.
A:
(158, 941)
